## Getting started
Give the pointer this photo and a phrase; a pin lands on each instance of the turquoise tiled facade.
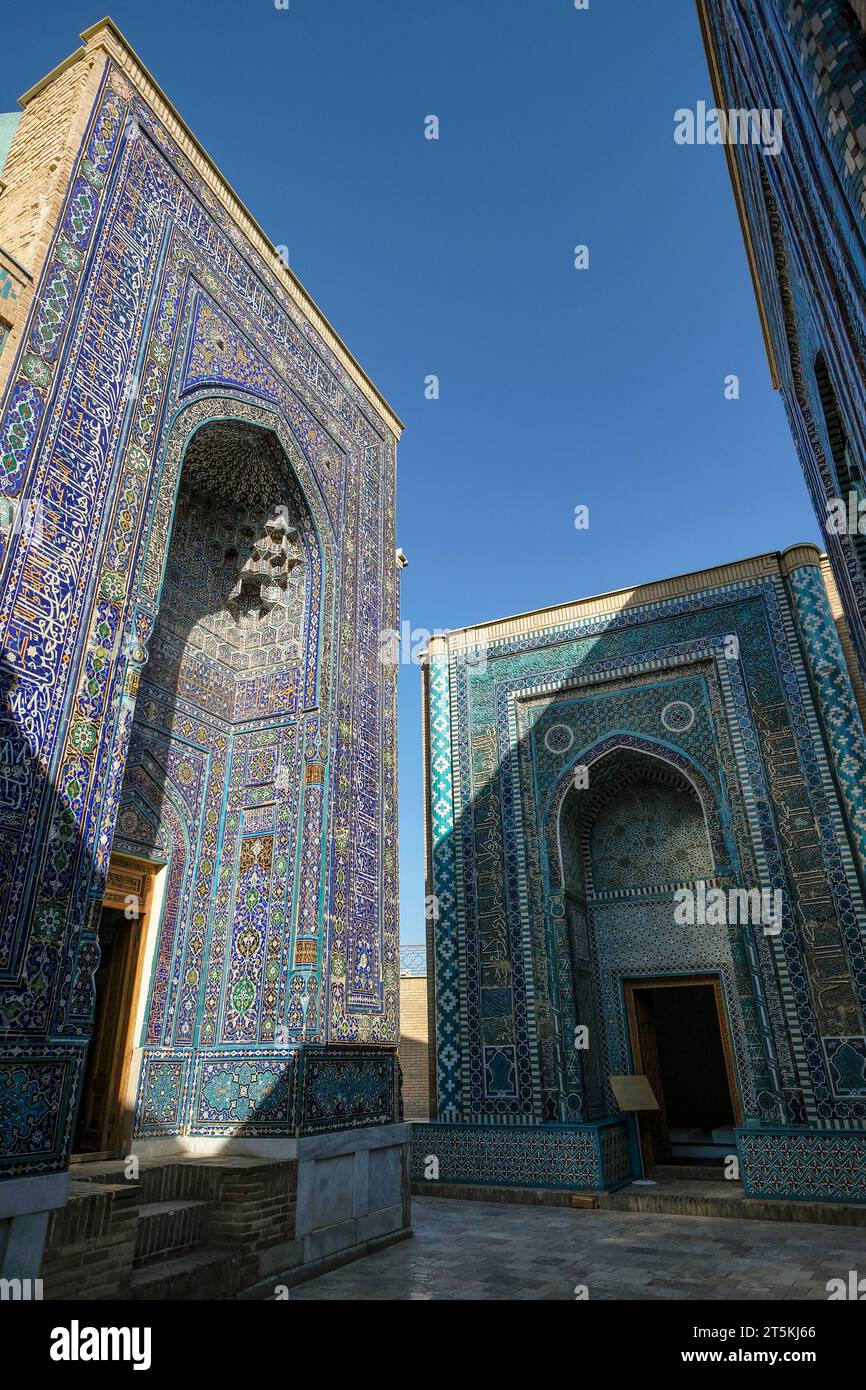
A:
(582, 769)
(804, 214)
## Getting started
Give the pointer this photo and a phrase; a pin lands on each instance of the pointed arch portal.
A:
(638, 828)
(216, 773)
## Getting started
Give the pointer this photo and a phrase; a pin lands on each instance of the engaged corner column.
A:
(840, 714)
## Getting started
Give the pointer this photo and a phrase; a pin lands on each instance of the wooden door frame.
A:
(127, 877)
(635, 983)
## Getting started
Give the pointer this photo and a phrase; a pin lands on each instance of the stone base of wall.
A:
(778, 1164)
(803, 1165)
(596, 1157)
(25, 1207)
(204, 1226)
(353, 1187)
(509, 1196)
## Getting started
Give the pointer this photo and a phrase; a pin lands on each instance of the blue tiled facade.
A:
(190, 667)
(580, 770)
(804, 215)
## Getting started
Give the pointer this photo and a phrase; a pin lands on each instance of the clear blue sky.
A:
(455, 257)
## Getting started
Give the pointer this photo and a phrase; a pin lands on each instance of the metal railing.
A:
(413, 960)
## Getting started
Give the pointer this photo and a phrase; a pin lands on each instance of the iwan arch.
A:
(587, 765)
(199, 767)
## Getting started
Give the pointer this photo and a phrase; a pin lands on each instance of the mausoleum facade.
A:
(646, 836)
(198, 837)
(802, 206)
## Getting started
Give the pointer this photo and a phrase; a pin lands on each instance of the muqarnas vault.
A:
(199, 775)
(591, 768)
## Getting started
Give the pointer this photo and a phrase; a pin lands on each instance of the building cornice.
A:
(774, 563)
(722, 103)
(107, 37)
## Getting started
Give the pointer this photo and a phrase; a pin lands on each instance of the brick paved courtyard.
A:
(486, 1250)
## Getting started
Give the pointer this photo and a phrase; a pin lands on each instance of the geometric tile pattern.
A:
(579, 1158)
(161, 1087)
(32, 1093)
(740, 730)
(817, 1166)
(273, 727)
(317, 1089)
(254, 1097)
(442, 836)
(638, 835)
(841, 716)
(804, 58)
(346, 1088)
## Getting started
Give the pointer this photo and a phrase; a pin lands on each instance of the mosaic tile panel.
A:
(581, 1158)
(346, 1088)
(230, 648)
(805, 59)
(161, 1096)
(809, 1166)
(701, 732)
(33, 1091)
(242, 1096)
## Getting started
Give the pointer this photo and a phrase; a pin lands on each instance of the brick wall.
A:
(190, 1228)
(90, 1247)
(413, 1046)
(255, 1216)
(36, 175)
(39, 161)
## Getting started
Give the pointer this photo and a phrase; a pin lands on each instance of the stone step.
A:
(163, 1181)
(196, 1276)
(708, 1151)
(725, 1135)
(726, 1199)
(98, 1171)
(159, 1180)
(169, 1227)
(688, 1172)
(518, 1196)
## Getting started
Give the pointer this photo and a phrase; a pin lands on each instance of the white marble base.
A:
(353, 1187)
(25, 1205)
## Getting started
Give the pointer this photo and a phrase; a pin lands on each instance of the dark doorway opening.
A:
(105, 1113)
(680, 1042)
(116, 941)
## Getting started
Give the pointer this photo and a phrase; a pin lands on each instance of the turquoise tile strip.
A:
(836, 696)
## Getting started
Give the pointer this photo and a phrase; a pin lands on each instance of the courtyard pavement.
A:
(487, 1250)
